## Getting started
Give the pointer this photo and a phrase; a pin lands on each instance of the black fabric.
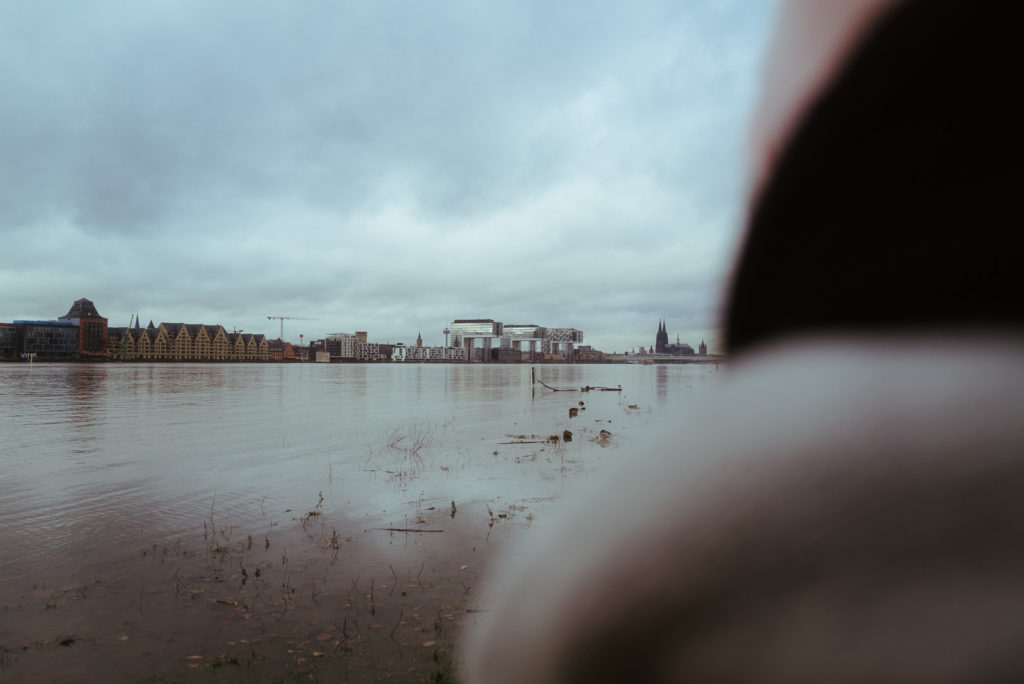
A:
(894, 206)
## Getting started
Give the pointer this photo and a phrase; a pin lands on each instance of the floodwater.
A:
(215, 522)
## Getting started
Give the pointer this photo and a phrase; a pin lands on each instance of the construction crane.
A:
(287, 318)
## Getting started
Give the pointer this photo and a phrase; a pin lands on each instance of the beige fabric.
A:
(843, 510)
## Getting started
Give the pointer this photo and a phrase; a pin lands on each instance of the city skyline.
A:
(534, 337)
(382, 165)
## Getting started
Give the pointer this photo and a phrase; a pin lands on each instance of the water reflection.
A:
(356, 377)
(86, 385)
(661, 380)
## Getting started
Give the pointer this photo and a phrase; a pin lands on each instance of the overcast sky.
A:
(379, 166)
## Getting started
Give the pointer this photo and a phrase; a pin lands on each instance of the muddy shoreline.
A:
(296, 594)
(317, 600)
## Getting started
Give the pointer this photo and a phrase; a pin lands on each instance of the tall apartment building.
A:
(558, 339)
(343, 345)
(367, 351)
(403, 353)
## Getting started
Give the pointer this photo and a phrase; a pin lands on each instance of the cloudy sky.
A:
(380, 166)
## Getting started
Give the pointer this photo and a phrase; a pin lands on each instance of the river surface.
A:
(215, 521)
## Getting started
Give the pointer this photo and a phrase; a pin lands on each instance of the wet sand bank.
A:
(312, 602)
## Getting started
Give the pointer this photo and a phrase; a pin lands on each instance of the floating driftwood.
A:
(404, 529)
(538, 381)
(588, 388)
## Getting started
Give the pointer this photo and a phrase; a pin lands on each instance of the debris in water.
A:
(567, 436)
(573, 412)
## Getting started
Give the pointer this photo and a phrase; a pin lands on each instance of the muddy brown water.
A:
(203, 522)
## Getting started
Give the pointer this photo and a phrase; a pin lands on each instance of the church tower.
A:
(419, 340)
(661, 341)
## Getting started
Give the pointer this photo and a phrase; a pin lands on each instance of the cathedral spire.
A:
(661, 341)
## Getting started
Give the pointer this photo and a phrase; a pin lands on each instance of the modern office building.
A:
(8, 342)
(474, 328)
(528, 339)
(477, 333)
(478, 336)
(47, 340)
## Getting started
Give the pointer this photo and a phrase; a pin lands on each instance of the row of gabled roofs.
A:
(193, 330)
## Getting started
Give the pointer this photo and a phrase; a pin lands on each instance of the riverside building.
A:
(184, 342)
(83, 334)
(485, 340)
(79, 334)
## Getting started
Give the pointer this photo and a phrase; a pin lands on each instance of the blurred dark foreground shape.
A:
(848, 505)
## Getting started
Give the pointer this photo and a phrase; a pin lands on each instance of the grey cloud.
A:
(240, 156)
